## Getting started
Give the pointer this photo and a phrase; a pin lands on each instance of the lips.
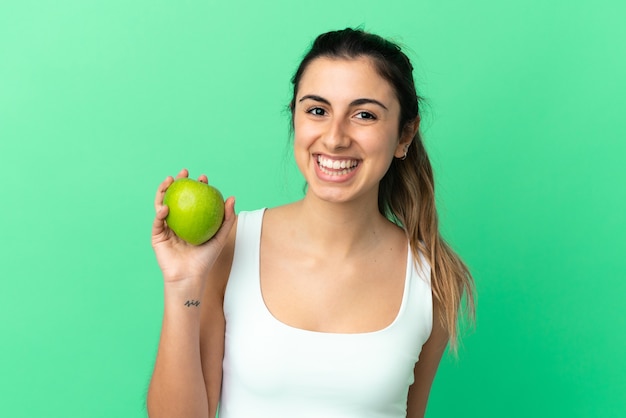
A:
(335, 166)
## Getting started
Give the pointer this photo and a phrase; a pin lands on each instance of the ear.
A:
(406, 137)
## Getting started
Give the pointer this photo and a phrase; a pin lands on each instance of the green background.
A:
(100, 100)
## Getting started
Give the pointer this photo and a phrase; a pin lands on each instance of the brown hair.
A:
(407, 191)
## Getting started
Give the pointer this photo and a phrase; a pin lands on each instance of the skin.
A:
(348, 258)
(345, 110)
(188, 365)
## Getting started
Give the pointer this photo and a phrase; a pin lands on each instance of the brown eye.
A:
(316, 111)
(365, 115)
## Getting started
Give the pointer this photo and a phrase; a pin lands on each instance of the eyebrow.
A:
(356, 102)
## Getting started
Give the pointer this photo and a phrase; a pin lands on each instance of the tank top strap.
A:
(243, 286)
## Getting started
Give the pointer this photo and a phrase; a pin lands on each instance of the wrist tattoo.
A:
(192, 303)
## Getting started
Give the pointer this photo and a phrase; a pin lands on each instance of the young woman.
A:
(337, 305)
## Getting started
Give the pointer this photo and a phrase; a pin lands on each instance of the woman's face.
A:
(345, 128)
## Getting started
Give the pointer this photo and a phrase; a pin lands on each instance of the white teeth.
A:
(335, 164)
(338, 167)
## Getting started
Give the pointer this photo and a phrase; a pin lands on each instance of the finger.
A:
(158, 226)
(204, 179)
(229, 207)
(229, 221)
(158, 199)
(162, 212)
(183, 173)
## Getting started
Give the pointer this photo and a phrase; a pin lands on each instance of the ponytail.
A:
(407, 197)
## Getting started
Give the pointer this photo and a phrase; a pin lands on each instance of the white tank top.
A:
(274, 370)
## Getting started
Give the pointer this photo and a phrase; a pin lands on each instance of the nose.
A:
(337, 135)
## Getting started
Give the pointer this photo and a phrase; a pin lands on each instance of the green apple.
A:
(196, 210)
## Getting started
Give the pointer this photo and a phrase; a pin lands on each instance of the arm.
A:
(213, 324)
(425, 370)
(191, 298)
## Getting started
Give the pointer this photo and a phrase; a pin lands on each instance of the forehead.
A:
(345, 77)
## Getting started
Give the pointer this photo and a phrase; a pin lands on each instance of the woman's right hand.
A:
(183, 263)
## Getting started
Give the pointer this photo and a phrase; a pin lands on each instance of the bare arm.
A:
(213, 325)
(425, 370)
(192, 296)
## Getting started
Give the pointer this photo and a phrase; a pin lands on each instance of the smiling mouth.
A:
(334, 167)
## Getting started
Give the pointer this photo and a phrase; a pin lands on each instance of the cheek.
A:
(303, 133)
(384, 141)
(301, 153)
(301, 142)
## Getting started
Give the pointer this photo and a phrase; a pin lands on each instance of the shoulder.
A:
(245, 225)
(283, 212)
(248, 218)
(421, 264)
(218, 276)
(280, 221)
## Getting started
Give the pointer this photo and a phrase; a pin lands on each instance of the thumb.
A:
(158, 226)
(229, 221)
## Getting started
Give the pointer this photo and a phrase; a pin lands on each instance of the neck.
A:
(340, 228)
